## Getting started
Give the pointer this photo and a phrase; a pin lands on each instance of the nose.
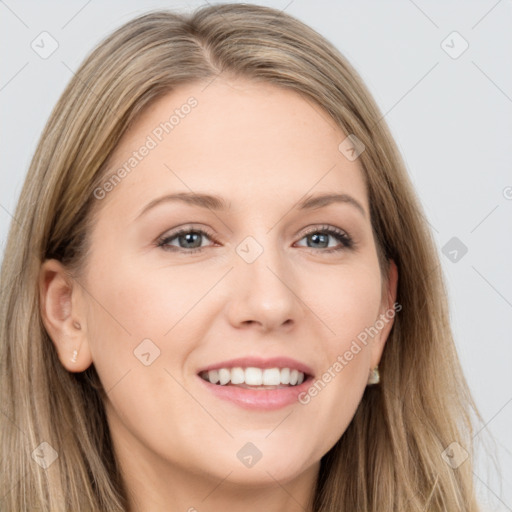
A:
(265, 293)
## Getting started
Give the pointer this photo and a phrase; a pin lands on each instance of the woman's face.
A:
(255, 279)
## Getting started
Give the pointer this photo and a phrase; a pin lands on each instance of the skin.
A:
(262, 148)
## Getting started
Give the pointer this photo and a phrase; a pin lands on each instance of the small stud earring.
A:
(374, 377)
(75, 354)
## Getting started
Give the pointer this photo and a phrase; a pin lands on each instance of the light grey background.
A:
(452, 119)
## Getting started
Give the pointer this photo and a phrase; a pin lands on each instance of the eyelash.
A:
(345, 240)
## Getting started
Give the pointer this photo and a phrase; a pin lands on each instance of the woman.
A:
(239, 303)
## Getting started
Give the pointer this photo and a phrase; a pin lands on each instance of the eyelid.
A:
(324, 227)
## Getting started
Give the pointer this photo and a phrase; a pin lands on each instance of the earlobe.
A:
(61, 315)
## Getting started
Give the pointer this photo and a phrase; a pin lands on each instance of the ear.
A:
(62, 313)
(387, 313)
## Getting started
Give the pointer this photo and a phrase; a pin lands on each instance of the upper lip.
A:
(259, 362)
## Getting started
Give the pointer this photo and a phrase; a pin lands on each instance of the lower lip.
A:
(262, 399)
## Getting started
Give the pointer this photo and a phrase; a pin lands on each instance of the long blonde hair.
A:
(390, 456)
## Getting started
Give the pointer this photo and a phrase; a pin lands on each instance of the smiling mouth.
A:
(255, 378)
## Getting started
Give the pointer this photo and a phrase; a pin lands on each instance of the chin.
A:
(253, 466)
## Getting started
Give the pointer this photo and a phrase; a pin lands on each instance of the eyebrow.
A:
(217, 203)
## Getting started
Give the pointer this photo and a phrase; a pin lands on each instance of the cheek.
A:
(137, 314)
(144, 302)
(347, 301)
(141, 330)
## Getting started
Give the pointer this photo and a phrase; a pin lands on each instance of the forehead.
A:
(251, 142)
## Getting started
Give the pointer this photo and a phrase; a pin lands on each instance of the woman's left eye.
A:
(321, 236)
(190, 240)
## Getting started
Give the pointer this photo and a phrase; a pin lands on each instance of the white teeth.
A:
(224, 376)
(252, 376)
(213, 376)
(271, 377)
(237, 375)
